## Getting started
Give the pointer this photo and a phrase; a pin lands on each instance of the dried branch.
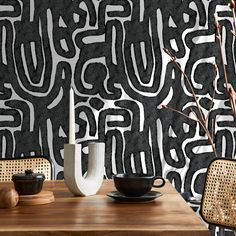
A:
(229, 89)
(173, 58)
(218, 37)
(232, 7)
(232, 100)
(214, 92)
(196, 120)
(201, 120)
(177, 111)
(210, 138)
(212, 129)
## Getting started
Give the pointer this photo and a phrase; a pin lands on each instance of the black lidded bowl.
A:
(28, 183)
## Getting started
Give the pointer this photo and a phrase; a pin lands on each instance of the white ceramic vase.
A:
(90, 183)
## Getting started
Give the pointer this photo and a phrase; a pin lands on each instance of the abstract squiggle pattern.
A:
(111, 53)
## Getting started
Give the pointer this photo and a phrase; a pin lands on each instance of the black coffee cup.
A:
(136, 185)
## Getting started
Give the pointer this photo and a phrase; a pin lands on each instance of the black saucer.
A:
(150, 196)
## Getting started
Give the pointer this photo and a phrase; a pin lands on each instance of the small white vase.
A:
(89, 184)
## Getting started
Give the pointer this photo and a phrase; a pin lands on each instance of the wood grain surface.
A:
(100, 215)
(44, 197)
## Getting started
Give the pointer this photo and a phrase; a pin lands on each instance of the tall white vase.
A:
(89, 184)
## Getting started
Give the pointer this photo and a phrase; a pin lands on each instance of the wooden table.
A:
(168, 215)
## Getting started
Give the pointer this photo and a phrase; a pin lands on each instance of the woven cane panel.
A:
(219, 197)
(14, 166)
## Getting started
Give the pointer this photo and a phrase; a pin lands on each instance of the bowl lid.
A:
(28, 175)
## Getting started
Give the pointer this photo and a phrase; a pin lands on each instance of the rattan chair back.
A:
(8, 167)
(218, 205)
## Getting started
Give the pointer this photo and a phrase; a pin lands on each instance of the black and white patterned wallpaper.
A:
(111, 53)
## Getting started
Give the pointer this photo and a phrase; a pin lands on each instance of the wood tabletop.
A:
(100, 215)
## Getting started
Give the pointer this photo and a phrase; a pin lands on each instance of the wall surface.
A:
(111, 53)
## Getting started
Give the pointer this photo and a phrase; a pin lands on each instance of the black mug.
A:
(136, 185)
